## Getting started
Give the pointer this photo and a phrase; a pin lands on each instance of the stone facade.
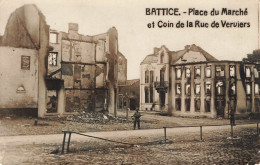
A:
(57, 73)
(85, 71)
(155, 72)
(24, 48)
(200, 85)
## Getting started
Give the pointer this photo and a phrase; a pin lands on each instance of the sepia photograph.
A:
(130, 82)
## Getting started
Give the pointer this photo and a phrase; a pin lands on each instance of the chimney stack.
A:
(155, 50)
(73, 27)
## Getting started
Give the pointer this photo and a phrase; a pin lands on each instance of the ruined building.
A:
(128, 90)
(56, 73)
(122, 69)
(191, 82)
(129, 94)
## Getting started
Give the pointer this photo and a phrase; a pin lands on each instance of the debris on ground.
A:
(94, 117)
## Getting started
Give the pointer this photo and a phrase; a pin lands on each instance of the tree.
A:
(253, 58)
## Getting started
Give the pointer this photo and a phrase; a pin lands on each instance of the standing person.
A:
(137, 116)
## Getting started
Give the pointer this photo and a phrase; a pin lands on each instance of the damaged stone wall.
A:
(122, 69)
(42, 59)
(85, 63)
(54, 55)
(84, 71)
(22, 30)
(19, 78)
(25, 45)
(112, 66)
(78, 72)
(82, 68)
(199, 84)
(100, 75)
(228, 86)
(78, 100)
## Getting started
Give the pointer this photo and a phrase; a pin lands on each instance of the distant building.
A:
(129, 94)
(154, 70)
(191, 82)
(56, 73)
(128, 90)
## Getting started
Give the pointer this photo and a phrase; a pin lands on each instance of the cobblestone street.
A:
(183, 147)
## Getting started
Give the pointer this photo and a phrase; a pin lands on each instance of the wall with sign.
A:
(19, 78)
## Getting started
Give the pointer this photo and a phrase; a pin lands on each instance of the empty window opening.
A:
(146, 91)
(197, 105)
(220, 71)
(178, 73)
(187, 89)
(52, 58)
(248, 89)
(256, 73)
(187, 72)
(248, 72)
(178, 104)
(178, 89)
(208, 88)
(151, 95)
(187, 104)
(162, 73)
(207, 105)
(233, 88)
(257, 89)
(197, 89)
(208, 71)
(197, 72)
(147, 76)
(232, 70)
(220, 88)
(52, 101)
(54, 38)
(151, 76)
(248, 105)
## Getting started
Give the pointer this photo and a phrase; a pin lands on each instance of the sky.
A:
(136, 40)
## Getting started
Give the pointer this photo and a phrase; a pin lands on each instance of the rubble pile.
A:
(94, 117)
